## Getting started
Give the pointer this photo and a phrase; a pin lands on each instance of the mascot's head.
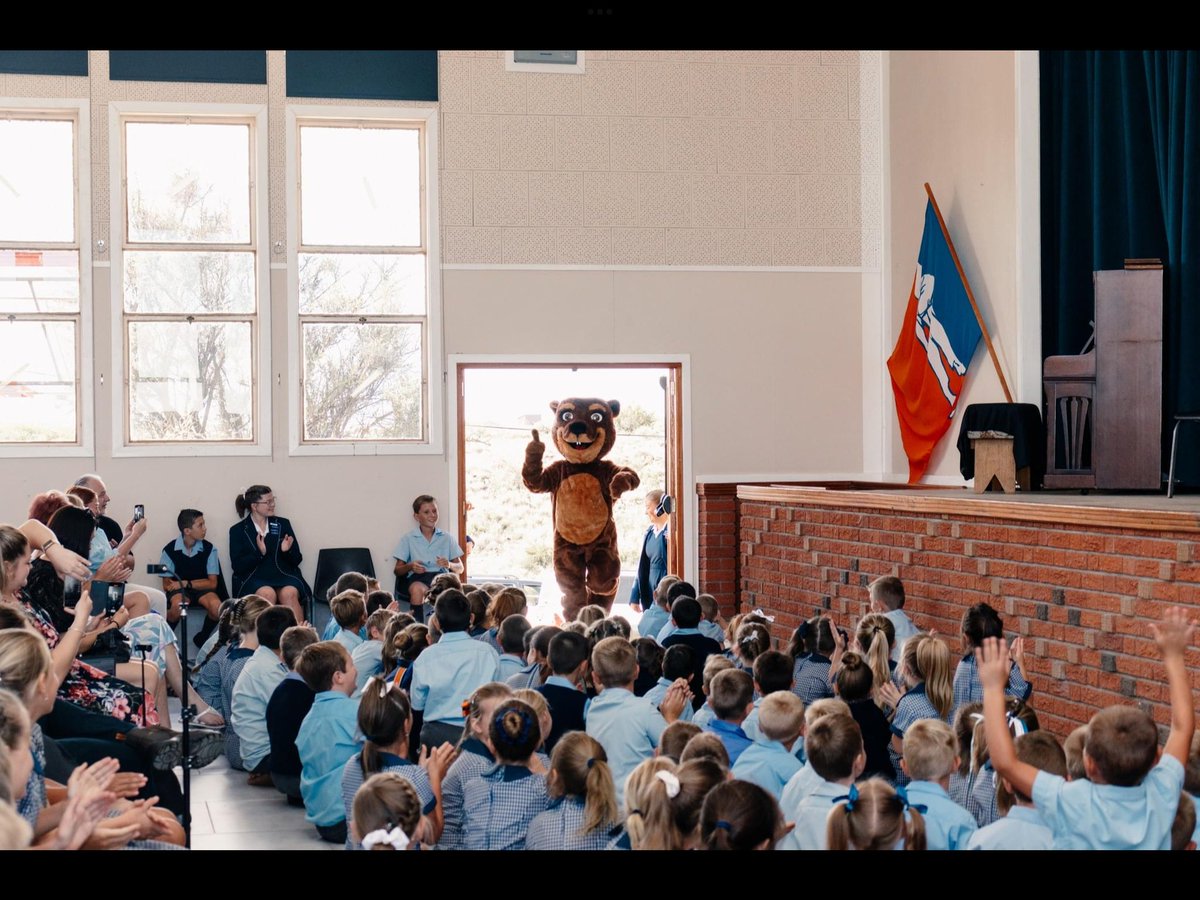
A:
(583, 427)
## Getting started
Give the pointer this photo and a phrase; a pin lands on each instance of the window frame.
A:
(78, 111)
(255, 115)
(433, 365)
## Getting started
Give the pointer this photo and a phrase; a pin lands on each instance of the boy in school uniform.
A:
(685, 614)
(446, 674)
(676, 664)
(715, 664)
(887, 599)
(565, 690)
(349, 610)
(1131, 796)
(626, 725)
(732, 697)
(658, 612)
(511, 636)
(772, 672)
(289, 704)
(252, 692)
(930, 757)
(368, 655)
(196, 568)
(422, 553)
(328, 736)
(835, 760)
(710, 624)
(770, 762)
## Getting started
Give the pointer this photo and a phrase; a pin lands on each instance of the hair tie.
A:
(804, 630)
(671, 781)
(902, 794)
(466, 709)
(850, 798)
(724, 826)
(1016, 725)
(591, 761)
(394, 838)
(759, 612)
(527, 723)
(635, 812)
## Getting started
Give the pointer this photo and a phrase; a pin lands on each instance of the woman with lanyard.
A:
(265, 553)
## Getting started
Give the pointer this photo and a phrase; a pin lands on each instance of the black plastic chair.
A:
(334, 562)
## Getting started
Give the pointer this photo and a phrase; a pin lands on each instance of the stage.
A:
(1080, 576)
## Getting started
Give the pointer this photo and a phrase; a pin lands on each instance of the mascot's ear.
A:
(615, 406)
(553, 406)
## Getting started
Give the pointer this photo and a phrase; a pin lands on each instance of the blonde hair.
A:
(781, 716)
(14, 724)
(930, 750)
(507, 602)
(614, 661)
(15, 833)
(708, 607)
(876, 635)
(579, 768)
(649, 808)
(386, 801)
(878, 821)
(540, 707)
(349, 608)
(927, 659)
(826, 706)
(714, 665)
(24, 658)
(664, 588)
(1073, 748)
(246, 612)
(476, 705)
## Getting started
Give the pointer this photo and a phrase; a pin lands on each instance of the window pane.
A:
(188, 183)
(362, 382)
(360, 187)
(37, 381)
(182, 282)
(190, 381)
(344, 283)
(33, 281)
(37, 181)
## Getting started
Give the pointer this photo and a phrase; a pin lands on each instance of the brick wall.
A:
(1082, 595)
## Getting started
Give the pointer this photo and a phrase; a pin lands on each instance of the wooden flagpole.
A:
(970, 296)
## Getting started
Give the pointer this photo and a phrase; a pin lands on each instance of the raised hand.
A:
(67, 563)
(1175, 632)
(623, 481)
(993, 663)
(536, 444)
(286, 544)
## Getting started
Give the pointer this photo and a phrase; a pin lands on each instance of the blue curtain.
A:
(1120, 149)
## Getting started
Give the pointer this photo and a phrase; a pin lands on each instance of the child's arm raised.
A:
(1173, 634)
(993, 663)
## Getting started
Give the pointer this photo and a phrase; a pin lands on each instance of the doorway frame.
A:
(457, 363)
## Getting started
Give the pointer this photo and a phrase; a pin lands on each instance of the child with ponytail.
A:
(875, 816)
(583, 812)
(739, 815)
(925, 666)
(474, 758)
(386, 814)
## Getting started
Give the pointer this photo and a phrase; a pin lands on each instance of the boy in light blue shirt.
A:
(732, 697)
(349, 610)
(626, 725)
(714, 664)
(772, 672)
(252, 692)
(769, 762)
(930, 757)
(446, 674)
(835, 760)
(328, 735)
(658, 612)
(368, 655)
(677, 663)
(511, 636)
(887, 599)
(1129, 801)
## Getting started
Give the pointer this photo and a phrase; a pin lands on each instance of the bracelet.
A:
(50, 543)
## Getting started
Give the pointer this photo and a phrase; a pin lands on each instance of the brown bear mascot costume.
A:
(582, 485)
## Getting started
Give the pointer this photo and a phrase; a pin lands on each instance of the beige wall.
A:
(952, 123)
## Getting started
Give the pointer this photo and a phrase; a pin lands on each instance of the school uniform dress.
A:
(473, 760)
(503, 802)
(277, 569)
(444, 676)
(810, 678)
(913, 706)
(252, 692)
(566, 704)
(1022, 829)
(328, 737)
(353, 778)
(560, 827)
(769, 764)
(968, 689)
(627, 727)
(289, 704)
(1087, 816)
(207, 683)
(947, 825)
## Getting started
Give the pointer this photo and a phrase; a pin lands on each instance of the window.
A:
(362, 283)
(191, 285)
(43, 399)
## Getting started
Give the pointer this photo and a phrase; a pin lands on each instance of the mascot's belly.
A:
(580, 512)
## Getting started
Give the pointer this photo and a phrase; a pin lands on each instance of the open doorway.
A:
(511, 528)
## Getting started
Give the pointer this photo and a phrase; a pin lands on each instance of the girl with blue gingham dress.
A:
(474, 758)
(583, 807)
(925, 666)
(812, 644)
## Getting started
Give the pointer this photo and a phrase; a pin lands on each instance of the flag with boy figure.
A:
(939, 335)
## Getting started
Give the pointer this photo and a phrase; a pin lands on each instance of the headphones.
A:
(666, 505)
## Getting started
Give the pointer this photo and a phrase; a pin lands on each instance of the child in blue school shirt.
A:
(328, 735)
(349, 610)
(770, 761)
(732, 697)
(368, 656)
(474, 758)
(714, 665)
(1020, 826)
(347, 581)
(658, 612)
(1129, 800)
(836, 758)
(930, 758)
(676, 664)
(772, 671)
(511, 638)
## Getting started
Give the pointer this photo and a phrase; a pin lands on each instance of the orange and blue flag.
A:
(934, 349)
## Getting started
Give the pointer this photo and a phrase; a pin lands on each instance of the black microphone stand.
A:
(187, 711)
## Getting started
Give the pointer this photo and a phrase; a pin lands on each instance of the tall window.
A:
(40, 280)
(190, 285)
(363, 281)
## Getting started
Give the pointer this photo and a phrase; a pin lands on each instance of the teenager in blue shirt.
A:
(328, 736)
(423, 553)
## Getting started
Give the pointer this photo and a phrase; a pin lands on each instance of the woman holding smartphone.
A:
(265, 553)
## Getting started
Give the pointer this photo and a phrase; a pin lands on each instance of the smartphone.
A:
(139, 512)
(107, 597)
(273, 527)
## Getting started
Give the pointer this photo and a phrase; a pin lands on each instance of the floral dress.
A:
(90, 688)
